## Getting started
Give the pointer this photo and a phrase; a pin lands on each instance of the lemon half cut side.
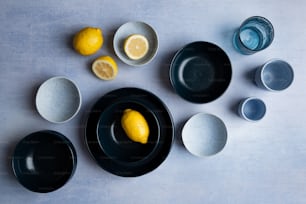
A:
(105, 68)
(136, 46)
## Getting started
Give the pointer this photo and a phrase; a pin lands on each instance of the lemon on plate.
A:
(88, 41)
(136, 46)
(105, 67)
(135, 126)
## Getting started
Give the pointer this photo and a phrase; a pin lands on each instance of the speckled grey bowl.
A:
(204, 135)
(58, 99)
(128, 29)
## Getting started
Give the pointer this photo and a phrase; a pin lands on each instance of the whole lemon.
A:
(135, 126)
(88, 40)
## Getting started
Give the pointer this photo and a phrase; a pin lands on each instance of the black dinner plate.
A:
(109, 145)
(200, 72)
(44, 161)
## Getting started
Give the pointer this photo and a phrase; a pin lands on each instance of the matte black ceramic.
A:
(44, 161)
(110, 146)
(200, 72)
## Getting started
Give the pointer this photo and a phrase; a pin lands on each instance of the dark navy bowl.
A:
(44, 161)
(200, 72)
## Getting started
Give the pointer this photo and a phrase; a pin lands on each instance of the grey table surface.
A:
(263, 162)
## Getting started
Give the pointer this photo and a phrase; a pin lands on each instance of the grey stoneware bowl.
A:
(135, 27)
(204, 135)
(58, 99)
(44, 161)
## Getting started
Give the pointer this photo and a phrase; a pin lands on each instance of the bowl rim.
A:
(154, 47)
(245, 101)
(264, 67)
(136, 169)
(42, 86)
(156, 145)
(210, 116)
(171, 76)
(51, 133)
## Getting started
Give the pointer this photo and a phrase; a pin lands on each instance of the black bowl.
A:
(44, 161)
(114, 141)
(200, 72)
(110, 146)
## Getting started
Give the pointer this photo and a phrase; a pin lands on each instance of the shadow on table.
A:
(178, 134)
(9, 151)
(81, 131)
(164, 67)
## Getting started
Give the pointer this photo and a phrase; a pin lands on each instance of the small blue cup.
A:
(274, 75)
(252, 109)
(255, 34)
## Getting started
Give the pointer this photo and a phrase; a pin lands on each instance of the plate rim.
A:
(166, 147)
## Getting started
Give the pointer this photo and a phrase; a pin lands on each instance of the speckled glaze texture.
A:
(58, 99)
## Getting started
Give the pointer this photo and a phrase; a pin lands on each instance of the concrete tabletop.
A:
(262, 162)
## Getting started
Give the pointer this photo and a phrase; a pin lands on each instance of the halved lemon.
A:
(105, 68)
(136, 46)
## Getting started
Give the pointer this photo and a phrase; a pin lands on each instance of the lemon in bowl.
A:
(135, 126)
(135, 43)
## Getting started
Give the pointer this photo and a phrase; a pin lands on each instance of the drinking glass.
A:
(255, 34)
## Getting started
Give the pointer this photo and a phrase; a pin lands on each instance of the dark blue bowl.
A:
(44, 161)
(200, 72)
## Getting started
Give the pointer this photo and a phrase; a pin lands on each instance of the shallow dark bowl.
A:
(44, 161)
(111, 147)
(113, 140)
(200, 72)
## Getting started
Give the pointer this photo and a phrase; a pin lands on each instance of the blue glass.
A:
(255, 34)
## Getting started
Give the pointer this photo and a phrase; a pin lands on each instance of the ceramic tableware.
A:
(110, 146)
(252, 109)
(274, 75)
(204, 135)
(44, 161)
(58, 99)
(200, 72)
(135, 27)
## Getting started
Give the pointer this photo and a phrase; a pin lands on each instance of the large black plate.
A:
(109, 145)
(200, 72)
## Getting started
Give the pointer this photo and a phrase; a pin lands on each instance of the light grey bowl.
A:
(58, 99)
(128, 29)
(204, 135)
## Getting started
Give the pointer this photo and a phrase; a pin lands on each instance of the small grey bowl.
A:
(128, 29)
(58, 99)
(204, 135)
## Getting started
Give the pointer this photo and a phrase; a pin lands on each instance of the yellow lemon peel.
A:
(135, 126)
